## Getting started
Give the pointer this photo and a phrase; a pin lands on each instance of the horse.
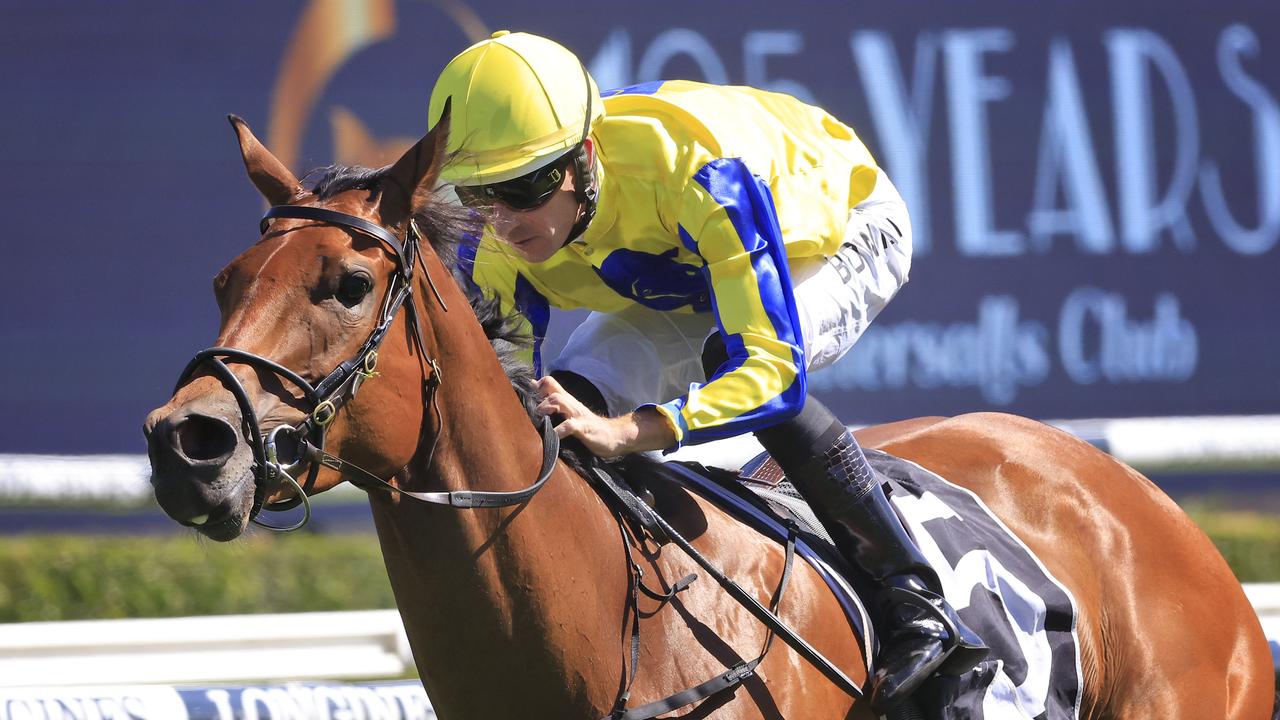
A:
(521, 608)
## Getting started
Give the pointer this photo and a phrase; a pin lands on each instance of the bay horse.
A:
(520, 610)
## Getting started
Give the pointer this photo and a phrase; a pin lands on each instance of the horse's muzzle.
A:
(198, 465)
(190, 444)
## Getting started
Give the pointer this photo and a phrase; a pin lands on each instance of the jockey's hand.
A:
(607, 437)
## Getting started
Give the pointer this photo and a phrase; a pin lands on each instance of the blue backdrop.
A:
(1095, 186)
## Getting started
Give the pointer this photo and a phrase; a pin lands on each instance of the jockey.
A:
(729, 240)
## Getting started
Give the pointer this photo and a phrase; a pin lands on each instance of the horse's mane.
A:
(446, 224)
(509, 338)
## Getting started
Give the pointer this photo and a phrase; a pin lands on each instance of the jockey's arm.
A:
(638, 431)
(728, 218)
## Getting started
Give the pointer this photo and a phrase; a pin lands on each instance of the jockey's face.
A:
(538, 233)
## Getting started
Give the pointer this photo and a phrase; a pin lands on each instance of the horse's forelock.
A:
(443, 223)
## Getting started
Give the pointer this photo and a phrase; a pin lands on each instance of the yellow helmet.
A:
(519, 102)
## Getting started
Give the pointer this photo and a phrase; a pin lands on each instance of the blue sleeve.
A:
(729, 220)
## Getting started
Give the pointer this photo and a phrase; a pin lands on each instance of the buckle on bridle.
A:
(437, 376)
(323, 414)
(275, 470)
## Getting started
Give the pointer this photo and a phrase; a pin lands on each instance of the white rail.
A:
(401, 700)
(259, 648)
(121, 668)
(1142, 442)
(220, 648)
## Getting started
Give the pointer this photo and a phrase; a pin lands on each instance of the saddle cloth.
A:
(997, 585)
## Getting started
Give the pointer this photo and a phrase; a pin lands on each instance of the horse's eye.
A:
(353, 287)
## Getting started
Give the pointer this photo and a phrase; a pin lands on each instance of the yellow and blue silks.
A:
(705, 192)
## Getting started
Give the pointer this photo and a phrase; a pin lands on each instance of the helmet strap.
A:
(585, 189)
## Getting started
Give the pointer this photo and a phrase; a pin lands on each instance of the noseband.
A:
(328, 396)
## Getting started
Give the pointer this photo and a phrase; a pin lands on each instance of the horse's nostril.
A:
(202, 438)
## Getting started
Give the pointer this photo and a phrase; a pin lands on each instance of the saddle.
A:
(998, 585)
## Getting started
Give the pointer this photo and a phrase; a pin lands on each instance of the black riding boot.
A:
(918, 629)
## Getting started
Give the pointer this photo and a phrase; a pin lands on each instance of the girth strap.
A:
(763, 614)
(730, 678)
(628, 505)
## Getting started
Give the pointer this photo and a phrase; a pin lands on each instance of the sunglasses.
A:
(523, 193)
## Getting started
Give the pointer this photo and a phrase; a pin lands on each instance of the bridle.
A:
(327, 397)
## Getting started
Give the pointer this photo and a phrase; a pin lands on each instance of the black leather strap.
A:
(635, 585)
(333, 217)
(635, 509)
(763, 614)
(366, 480)
(730, 678)
(630, 508)
(328, 395)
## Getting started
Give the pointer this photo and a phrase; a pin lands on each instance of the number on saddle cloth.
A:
(1002, 591)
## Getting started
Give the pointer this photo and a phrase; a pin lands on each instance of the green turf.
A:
(52, 577)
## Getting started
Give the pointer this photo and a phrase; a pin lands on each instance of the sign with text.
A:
(401, 700)
(1094, 188)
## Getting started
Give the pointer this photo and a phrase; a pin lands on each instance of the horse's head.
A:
(304, 313)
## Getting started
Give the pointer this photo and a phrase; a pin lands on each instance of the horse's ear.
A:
(268, 174)
(416, 172)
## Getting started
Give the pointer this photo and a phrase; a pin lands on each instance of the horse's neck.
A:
(506, 608)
